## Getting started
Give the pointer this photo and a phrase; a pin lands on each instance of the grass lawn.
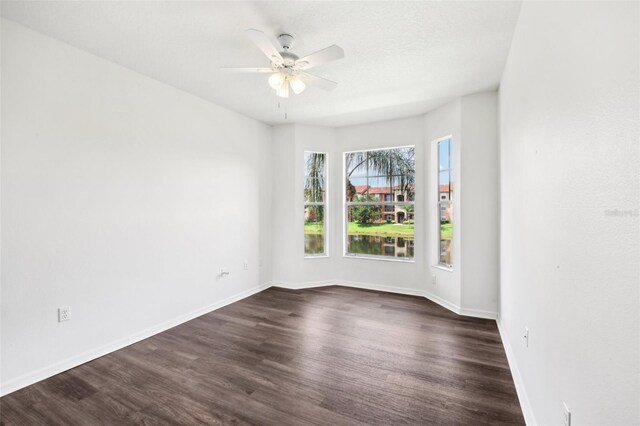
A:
(387, 229)
(446, 231)
(313, 228)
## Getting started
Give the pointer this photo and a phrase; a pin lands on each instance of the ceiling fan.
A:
(289, 72)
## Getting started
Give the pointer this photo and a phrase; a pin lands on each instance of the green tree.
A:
(365, 214)
(314, 214)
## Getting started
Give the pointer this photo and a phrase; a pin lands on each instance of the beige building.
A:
(396, 214)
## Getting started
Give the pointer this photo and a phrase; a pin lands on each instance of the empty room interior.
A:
(320, 213)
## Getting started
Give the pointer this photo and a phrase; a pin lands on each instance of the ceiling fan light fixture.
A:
(297, 85)
(277, 80)
(283, 91)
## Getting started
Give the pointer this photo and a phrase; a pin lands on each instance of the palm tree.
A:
(397, 165)
(314, 177)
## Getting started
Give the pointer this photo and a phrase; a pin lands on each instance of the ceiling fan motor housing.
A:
(289, 59)
(286, 41)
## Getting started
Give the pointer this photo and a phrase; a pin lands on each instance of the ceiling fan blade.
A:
(328, 54)
(265, 44)
(320, 82)
(246, 70)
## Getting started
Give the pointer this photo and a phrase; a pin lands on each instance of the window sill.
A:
(320, 256)
(384, 259)
(443, 268)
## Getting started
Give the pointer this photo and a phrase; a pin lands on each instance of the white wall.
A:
(290, 142)
(121, 198)
(472, 286)
(570, 161)
(480, 200)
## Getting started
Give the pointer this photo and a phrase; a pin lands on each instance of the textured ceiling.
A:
(401, 58)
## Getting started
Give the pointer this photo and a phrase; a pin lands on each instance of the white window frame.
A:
(441, 202)
(324, 203)
(345, 212)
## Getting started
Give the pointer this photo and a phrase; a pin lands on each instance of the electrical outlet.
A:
(245, 265)
(526, 337)
(434, 280)
(566, 414)
(64, 314)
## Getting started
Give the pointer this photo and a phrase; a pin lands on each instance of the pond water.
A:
(374, 245)
(313, 244)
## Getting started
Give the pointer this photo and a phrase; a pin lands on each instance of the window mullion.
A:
(380, 203)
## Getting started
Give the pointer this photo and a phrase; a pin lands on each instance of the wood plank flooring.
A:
(325, 356)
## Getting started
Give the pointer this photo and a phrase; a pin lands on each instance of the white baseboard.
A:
(527, 411)
(467, 312)
(380, 287)
(478, 313)
(442, 302)
(300, 286)
(43, 373)
(391, 289)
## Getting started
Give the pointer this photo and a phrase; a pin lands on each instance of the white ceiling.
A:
(401, 58)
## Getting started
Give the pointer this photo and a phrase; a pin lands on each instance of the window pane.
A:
(314, 230)
(444, 187)
(372, 230)
(380, 171)
(408, 193)
(446, 232)
(314, 165)
(445, 197)
(314, 190)
(380, 176)
(444, 154)
(315, 169)
(446, 239)
(314, 176)
(356, 174)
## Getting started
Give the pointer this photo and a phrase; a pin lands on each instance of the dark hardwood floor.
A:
(325, 356)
